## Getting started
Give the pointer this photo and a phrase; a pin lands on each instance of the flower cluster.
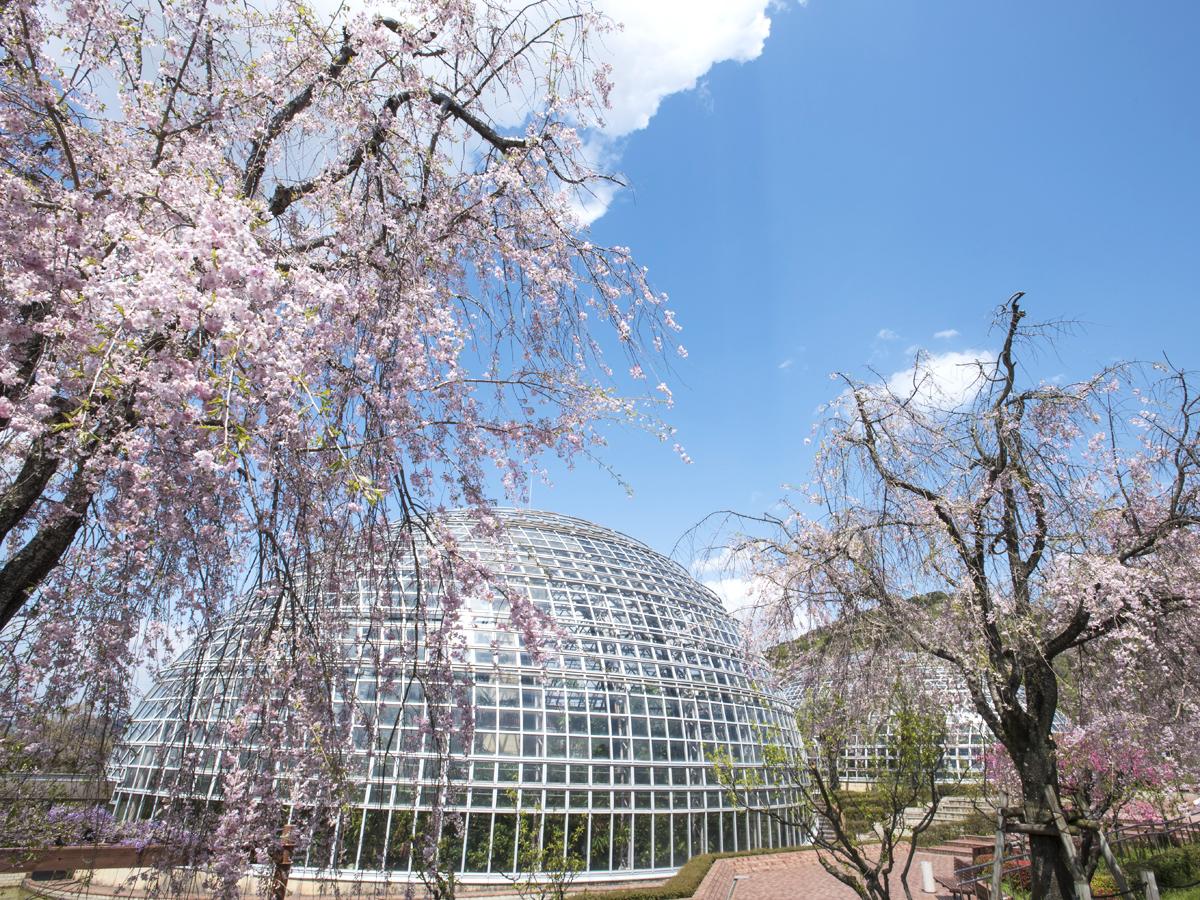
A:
(272, 289)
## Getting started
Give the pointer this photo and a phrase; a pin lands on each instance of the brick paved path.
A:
(798, 875)
(777, 876)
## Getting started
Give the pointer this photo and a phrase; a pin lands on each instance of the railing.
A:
(981, 873)
(82, 856)
(61, 787)
(1128, 842)
(117, 856)
(1140, 840)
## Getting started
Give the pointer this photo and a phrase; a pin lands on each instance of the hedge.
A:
(940, 832)
(1174, 868)
(861, 810)
(683, 883)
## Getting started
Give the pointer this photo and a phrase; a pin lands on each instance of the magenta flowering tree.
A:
(272, 284)
(1001, 529)
(1106, 775)
(1110, 774)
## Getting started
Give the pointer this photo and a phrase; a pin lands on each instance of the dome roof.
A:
(601, 583)
(606, 738)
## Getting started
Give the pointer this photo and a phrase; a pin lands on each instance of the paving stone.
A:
(799, 875)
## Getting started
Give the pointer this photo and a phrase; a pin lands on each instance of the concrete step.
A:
(951, 809)
(914, 814)
(913, 820)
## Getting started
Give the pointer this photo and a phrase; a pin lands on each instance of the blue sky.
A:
(882, 172)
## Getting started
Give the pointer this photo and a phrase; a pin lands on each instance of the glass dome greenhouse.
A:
(605, 741)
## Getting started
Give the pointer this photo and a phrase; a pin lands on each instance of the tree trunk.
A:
(1050, 876)
(1031, 747)
(1050, 869)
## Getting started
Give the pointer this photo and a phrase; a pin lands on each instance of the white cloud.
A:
(755, 606)
(886, 334)
(786, 364)
(592, 204)
(666, 46)
(738, 594)
(723, 573)
(663, 47)
(943, 380)
(946, 334)
(711, 562)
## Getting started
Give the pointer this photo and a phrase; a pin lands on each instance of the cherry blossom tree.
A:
(1117, 763)
(274, 286)
(1107, 777)
(1048, 520)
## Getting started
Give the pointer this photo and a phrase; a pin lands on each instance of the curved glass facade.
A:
(607, 741)
(967, 735)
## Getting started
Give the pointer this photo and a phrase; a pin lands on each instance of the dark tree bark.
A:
(28, 567)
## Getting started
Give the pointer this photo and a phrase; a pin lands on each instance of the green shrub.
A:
(1176, 867)
(961, 789)
(939, 834)
(683, 883)
(861, 810)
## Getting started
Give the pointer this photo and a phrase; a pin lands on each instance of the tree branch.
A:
(256, 162)
(26, 570)
(286, 195)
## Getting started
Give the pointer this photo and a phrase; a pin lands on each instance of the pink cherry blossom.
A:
(273, 286)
